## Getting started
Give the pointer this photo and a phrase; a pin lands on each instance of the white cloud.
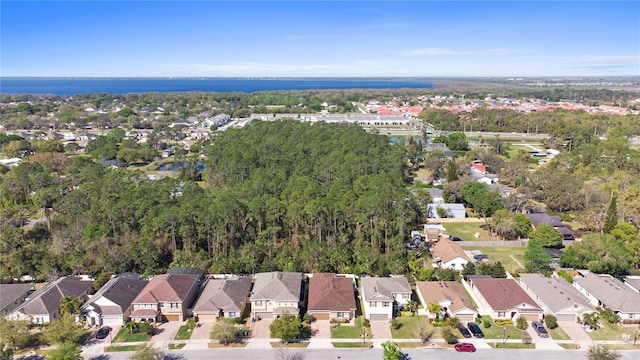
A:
(622, 59)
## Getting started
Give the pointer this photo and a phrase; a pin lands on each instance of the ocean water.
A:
(64, 86)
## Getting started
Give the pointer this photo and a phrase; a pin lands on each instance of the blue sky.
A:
(319, 38)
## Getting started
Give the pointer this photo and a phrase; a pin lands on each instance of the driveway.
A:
(380, 330)
(202, 331)
(321, 329)
(574, 330)
(260, 329)
(167, 331)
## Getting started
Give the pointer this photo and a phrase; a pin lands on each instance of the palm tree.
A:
(434, 309)
(591, 320)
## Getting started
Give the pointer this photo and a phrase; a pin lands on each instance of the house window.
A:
(385, 304)
(501, 314)
(258, 302)
(161, 305)
(174, 305)
(340, 315)
(232, 314)
(406, 296)
(372, 304)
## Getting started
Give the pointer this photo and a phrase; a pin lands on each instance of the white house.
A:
(449, 255)
(606, 291)
(382, 297)
(450, 295)
(454, 211)
(556, 296)
(111, 305)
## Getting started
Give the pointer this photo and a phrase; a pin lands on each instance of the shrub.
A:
(486, 323)
(551, 321)
(563, 274)
(608, 315)
(503, 322)
(394, 324)
(521, 323)
(308, 318)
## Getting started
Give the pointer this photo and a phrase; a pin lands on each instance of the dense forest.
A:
(276, 195)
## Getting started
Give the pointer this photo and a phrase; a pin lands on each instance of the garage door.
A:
(207, 317)
(320, 316)
(379, 317)
(566, 317)
(531, 317)
(171, 318)
(465, 318)
(264, 315)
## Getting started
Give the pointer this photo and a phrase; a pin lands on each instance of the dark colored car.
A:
(454, 238)
(466, 347)
(464, 331)
(475, 330)
(103, 332)
(539, 328)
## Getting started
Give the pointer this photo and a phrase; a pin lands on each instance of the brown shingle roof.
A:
(448, 250)
(437, 291)
(327, 292)
(503, 294)
(166, 288)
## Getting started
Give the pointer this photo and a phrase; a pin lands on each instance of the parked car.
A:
(103, 332)
(465, 347)
(464, 331)
(454, 238)
(475, 330)
(539, 328)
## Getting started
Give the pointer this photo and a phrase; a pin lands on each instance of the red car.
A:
(466, 347)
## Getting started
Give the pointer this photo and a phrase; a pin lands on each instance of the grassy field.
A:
(503, 254)
(350, 332)
(467, 230)
(124, 336)
(611, 332)
(409, 327)
(497, 332)
(350, 345)
(558, 334)
(185, 331)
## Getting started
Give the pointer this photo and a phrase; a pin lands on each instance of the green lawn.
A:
(123, 348)
(558, 334)
(512, 346)
(124, 336)
(569, 346)
(185, 331)
(611, 332)
(503, 254)
(350, 332)
(497, 332)
(176, 346)
(350, 345)
(409, 327)
(467, 230)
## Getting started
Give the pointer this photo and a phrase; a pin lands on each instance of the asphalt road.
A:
(365, 354)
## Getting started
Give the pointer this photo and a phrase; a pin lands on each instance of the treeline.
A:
(280, 195)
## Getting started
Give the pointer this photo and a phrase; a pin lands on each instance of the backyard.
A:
(504, 255)
(467, 230)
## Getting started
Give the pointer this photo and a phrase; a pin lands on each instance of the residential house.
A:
(503, 299)
(12, 295)
(477, 168)
(223, 298)
(606, 291)
(111, 305)
(449, 255)
(331, 297)
(450, 295)
(436, 195)
(435, 147)
(444, 210)
(556, 296)
(43, 306)
(168, 297)
(551, 220)
(382, 297)
(633, 282)
(276, 293)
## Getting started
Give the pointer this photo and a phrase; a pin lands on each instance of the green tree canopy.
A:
(287, 327)
(546, 235)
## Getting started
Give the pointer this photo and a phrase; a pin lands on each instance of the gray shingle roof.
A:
(610, 291)
(47, 299)
(9, 293)
(277, 285)
(557, 294)
(223, 294)
(120, 290)
(382, 289)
